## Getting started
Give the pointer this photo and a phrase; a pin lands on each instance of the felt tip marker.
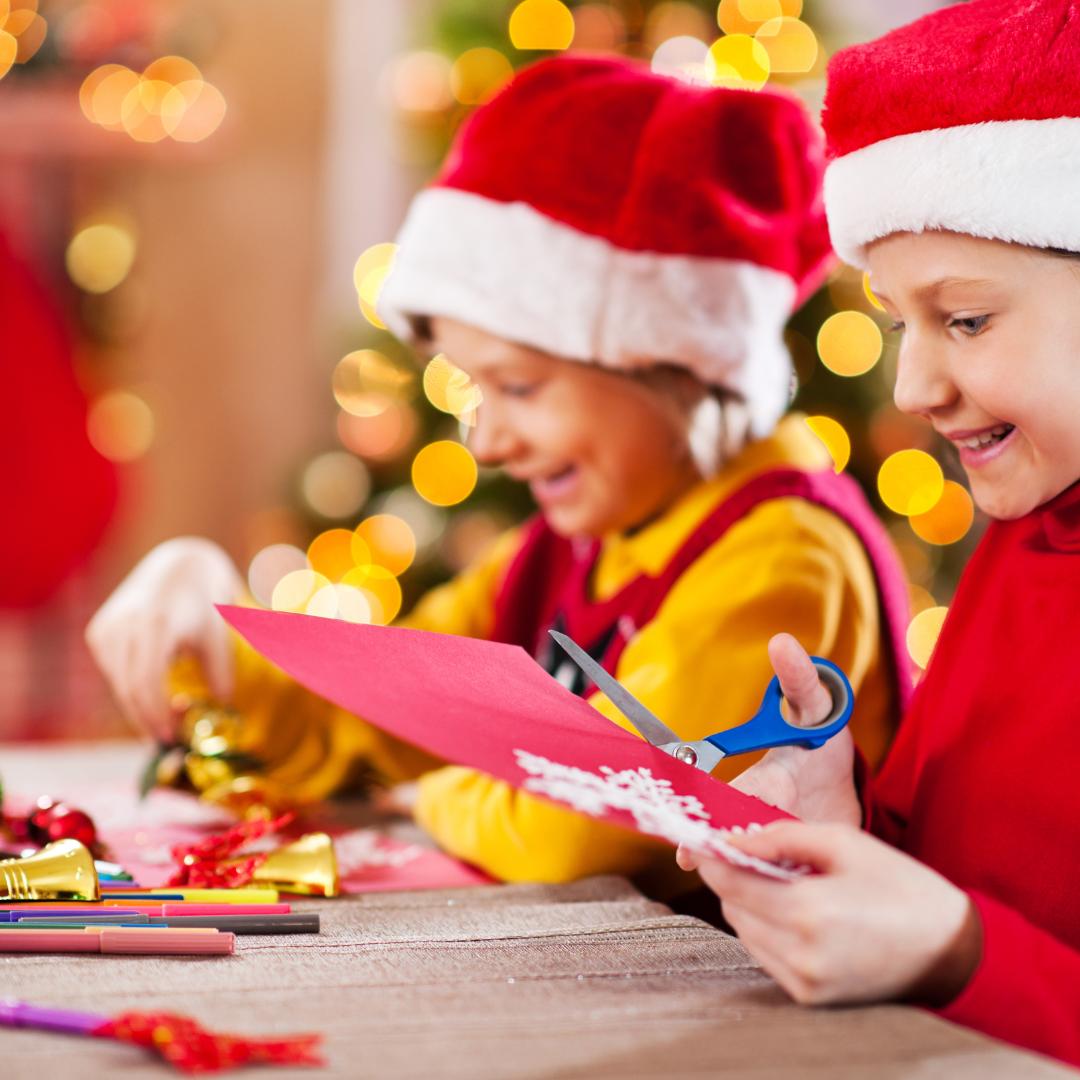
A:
(120, 940)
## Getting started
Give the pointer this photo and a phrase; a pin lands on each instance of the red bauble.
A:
(72, 825)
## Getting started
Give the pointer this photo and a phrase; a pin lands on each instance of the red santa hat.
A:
(603, 213)
(967, 120)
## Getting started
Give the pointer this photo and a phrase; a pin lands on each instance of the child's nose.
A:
(492, 441)
(923, 383)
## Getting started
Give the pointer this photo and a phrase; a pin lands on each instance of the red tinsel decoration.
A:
(188, 1046)
(202, 865)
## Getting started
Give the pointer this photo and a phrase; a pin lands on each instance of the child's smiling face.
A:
(601, 452)
(990, 355)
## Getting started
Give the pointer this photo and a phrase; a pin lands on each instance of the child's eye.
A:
(971, 325)
(897, 327)
(519, 390)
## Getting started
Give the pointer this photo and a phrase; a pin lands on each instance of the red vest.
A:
(547, 583)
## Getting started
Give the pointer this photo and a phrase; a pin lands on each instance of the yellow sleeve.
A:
(702, 666)
(311, 746)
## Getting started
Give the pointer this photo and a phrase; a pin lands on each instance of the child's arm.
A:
(701, 665)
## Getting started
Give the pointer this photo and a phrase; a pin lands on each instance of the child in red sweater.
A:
(954, 178)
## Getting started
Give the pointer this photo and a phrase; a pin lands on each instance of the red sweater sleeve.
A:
(1026, 988)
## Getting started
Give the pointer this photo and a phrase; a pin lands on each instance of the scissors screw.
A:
(687, 755)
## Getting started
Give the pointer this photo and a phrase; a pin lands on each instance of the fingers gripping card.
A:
(491, 707)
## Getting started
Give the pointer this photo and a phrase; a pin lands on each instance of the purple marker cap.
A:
(23, 1014)
(63, 913)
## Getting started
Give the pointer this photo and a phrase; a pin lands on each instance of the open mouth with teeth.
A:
(987, 438)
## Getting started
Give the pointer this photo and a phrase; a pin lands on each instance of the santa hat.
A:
(967, 120)
(603, 213)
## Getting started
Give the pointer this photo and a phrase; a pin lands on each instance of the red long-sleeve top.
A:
(983, 781)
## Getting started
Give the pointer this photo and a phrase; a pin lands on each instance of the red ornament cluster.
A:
(212, 863)
(51, 820)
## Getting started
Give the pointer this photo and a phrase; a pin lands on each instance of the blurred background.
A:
(197, 203)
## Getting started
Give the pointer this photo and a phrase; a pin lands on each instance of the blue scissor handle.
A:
(768, 728)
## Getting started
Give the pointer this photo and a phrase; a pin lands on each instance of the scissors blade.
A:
(650, 727)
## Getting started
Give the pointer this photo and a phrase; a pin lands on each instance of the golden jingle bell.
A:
(307, 866)
(61, 871)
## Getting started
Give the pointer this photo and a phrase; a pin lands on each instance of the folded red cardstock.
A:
(490, 706)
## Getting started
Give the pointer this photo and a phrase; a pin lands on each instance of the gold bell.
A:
(61, 871)
(307, 866)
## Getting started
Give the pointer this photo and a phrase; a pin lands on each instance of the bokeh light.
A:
(331, 553)
(120, 425)
(100, 256)
(479, 73)
(426, 521)
(738, 60)
(420, 82)
(380, 438)
(295, 590)
(141, 110)
(335, 485)
(193, 111)
(388, 541)
(598, 28)
(546, 25)
(381, 590)
(923, 632)
(849, 343)
(790, 43)
(340, 602)
(9, 50)
(269, 566)
(910, 482)
(949, 519)
(920, 599)
(832, 433)
(451, 390)
(869, 293)
(366, 382)
(444, 473)
(683, 58)
(369, 273)
(746, 16)
(28, 28)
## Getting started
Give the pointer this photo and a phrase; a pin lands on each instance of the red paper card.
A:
(492, 707)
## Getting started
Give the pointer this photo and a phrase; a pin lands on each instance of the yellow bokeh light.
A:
(9, 50)
(99, 257)
(869, 292)
(419, 82)
(89, 87)
(790, 43)
(120, 425)
(546, 25)
(910, 482)
(684, 58)
(388, 540)
(173, 70)
(738, 60)
(835, 438)
(269, 566)
(140, 113)
(5, 11)
(849, 343)
(923, 632)
(745, 16)
(444, 473)
(381, 588)
(949, 519)
(369, 274)
(335, 484)
(478, 73)
(331, 553)
(340, 602)
(919, 599)
(451, 390)
(30, 29)
(107, 103)
(193, 111)
(296, 589)
(366, 382)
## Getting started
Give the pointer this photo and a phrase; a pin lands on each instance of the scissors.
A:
(766, 729)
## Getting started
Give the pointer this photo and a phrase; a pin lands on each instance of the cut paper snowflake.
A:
(655, 806)
(362, 849)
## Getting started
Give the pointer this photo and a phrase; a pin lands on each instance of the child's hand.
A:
(872, 925)
(164, 607)
(814, 785)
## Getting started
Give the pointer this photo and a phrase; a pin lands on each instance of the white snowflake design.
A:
(653, 803)
(364, 849)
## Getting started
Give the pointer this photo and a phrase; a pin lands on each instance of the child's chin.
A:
(571, 521)
(1003, 502)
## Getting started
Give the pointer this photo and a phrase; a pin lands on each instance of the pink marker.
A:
(182, 908)
(122, 940)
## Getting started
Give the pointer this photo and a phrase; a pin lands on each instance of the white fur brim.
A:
(1012, 180)
(516, 273)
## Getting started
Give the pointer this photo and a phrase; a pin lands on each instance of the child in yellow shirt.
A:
(611, 256)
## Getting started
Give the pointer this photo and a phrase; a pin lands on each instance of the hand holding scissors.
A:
(767, 729)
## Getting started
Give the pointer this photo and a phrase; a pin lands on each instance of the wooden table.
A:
(583, 980)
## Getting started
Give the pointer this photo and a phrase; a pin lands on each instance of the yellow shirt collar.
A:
(623, 558)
